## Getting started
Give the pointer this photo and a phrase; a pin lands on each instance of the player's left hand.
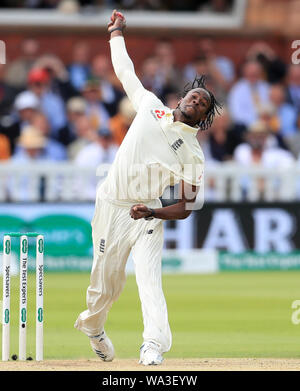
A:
(139, 211)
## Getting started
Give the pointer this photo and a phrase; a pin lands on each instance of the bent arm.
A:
(178, 211)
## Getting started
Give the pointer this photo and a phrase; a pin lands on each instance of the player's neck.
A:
(179, 116)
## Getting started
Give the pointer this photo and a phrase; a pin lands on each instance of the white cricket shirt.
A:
(156, 151)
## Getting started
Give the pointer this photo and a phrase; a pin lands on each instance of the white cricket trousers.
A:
(115, 234)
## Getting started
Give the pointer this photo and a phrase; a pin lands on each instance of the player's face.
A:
(194, 105)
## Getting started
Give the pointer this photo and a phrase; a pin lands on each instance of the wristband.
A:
(152, 214)
(116, 28)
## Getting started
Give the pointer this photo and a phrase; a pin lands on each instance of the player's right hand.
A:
(117, 19)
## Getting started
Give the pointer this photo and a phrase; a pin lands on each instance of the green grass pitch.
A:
(244, 314)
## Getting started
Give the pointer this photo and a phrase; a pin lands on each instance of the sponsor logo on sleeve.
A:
(177, 144)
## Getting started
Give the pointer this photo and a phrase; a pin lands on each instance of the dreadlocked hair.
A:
(199, 82)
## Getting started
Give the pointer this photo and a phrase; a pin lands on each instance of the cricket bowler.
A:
(160, 149)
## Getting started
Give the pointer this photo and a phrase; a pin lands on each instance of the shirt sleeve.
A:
(125, 72)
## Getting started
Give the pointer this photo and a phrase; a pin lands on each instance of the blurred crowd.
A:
(151, 5)
(51, 111)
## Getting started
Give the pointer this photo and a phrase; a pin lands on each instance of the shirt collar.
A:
(181, 125)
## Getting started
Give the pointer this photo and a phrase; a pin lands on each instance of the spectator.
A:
(218, 140)
(167, 69)
(26, 105)
(101, 151)
(79, 69)
(111, 96)
(120, 123)
(51, 103)
(96, 110)
(84, 135)
(76, 108)
(285, 116)
(248, 95)
(59, 83)
(255, 151)
(221, 140)
(31, 146)
(293, 86)
(274, 67)
(17, 71)
(220, 66)
(151, 78)
(53, 148)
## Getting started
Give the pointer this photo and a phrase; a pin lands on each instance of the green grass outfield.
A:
(246, 314)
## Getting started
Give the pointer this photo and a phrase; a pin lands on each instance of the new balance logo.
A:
(102, 245)
(100, 354)
(177, 144)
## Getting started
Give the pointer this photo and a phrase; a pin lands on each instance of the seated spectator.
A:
(285, 116)
(17, 71)
(274, 67)
(96, 110)
(268, 115)
(34, 145)
(79, 69)
(84, 135)
(50, 102)
(248, 95)
(218, 137)
(31, 146)
(151, 78)
(167, 68)
(222, 138)
(102, 70)
(293, 86)
(54, 149)
(101, 151)
(120, 123)
(76, 108)
(59, 82)
(220, 66)
(255, 151)
(26, 105)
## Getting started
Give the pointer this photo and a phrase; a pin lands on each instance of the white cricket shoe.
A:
(149, 354)
(103, 346)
